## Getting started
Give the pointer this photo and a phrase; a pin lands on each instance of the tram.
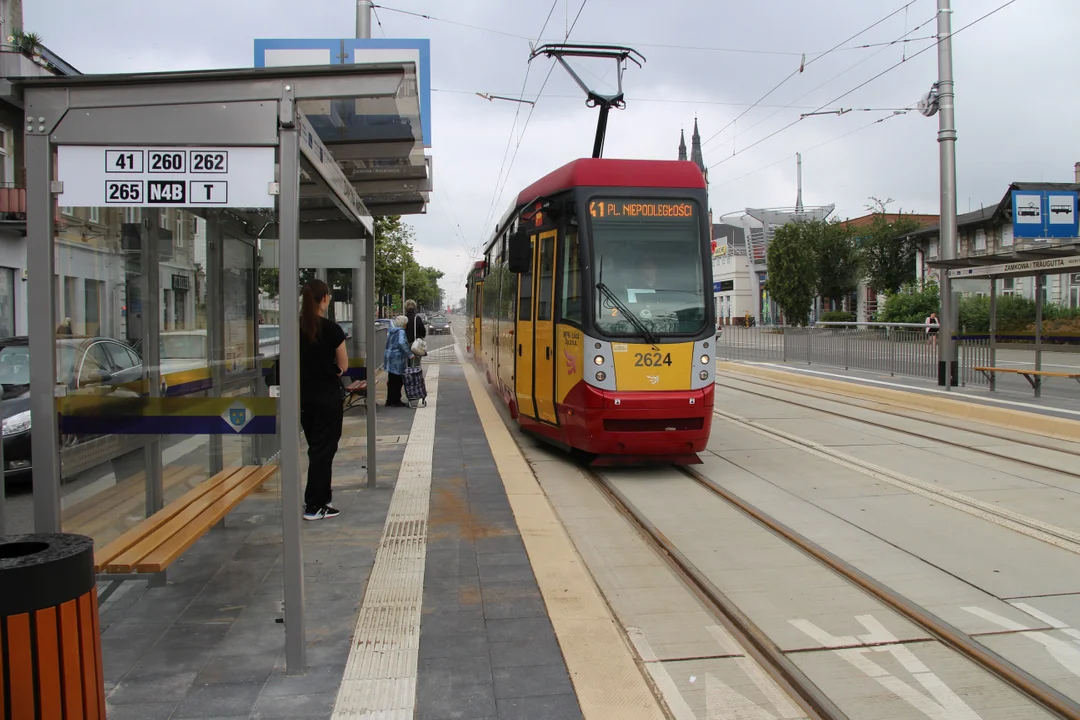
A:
(592, 311)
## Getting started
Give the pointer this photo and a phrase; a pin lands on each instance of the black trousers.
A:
(394, 383)
(321, 420)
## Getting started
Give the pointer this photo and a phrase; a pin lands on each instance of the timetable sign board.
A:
(98, 176)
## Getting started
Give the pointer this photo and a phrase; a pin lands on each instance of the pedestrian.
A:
(395, 360)
(64, 328)
(932, 328)
(323, 360)
(415, 327)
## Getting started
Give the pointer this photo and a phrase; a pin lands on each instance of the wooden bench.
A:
(155, 543)
(1034, 377)
(355, 394)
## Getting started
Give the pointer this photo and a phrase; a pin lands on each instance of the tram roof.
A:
(604, 172)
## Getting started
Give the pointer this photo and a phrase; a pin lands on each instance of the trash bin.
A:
(50, 636)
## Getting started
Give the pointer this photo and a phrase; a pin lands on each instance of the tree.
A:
(839, 263)
(393, 255)
(792, 264)
(887, 251)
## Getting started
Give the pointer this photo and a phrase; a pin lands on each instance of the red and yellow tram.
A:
(592, 310)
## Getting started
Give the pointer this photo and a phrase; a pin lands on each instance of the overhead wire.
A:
(866, 82)
(802, 67)
(513, 126)
(532, 108)
(807, 150)
(830, 80)
(691, 48)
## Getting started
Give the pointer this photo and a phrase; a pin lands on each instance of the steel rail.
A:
(950, 636)
(912, 433)
(758, 645)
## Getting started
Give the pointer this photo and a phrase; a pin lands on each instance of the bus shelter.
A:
(1056, 260)
(165, 208)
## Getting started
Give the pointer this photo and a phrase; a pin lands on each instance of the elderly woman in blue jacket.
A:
(395, 360)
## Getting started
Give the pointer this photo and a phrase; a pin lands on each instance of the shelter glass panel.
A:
(162, 369)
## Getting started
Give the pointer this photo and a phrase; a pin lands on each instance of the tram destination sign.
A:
(635, 209)
(99, 176)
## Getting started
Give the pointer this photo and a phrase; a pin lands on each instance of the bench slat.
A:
(120, 554)
(166, 553)
(1046, 373)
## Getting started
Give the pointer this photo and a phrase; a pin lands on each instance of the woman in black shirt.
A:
(323, 359)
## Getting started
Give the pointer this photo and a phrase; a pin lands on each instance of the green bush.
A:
(837, 316)
(910, 305)
(1015, 314)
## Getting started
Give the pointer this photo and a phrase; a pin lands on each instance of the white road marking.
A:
(1066, 652)
(943, 703)
(380, 676)
(765, 684)
(660, 675)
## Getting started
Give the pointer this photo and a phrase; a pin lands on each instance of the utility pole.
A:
(363, 18)
(947, 370)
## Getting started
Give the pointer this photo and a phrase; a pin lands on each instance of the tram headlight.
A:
(704, 375)
(601, 376)
(598, 360)
(704, 359)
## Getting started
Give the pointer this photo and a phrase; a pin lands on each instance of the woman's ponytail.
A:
(311, 298)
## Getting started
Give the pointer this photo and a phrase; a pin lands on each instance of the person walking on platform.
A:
(415, 327)
(395, 360)
(323, 359)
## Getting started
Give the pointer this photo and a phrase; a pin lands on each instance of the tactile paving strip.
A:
(380, 676)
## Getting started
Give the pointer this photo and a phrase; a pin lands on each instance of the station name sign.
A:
(99, 176)
(1050, 265)
(622, 209)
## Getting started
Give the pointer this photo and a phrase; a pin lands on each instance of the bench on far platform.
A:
(1034, 377)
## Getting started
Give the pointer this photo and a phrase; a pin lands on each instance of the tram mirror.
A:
(520, 257)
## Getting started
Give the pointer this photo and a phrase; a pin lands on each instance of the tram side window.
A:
(547, 275)
(526, 285)
(571, 278)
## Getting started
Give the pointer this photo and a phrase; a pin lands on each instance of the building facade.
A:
(988, 232)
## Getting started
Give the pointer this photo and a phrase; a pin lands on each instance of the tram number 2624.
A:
(651, 359)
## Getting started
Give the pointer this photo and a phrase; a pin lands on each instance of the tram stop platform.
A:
(448, 591)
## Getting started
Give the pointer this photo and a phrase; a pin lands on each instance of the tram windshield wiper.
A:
(630, 315)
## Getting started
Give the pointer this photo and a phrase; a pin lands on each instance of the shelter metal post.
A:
(215, 324)
(371, 363)
(993, 332)
(289, 402)
(1038, 331)
(151, 314)
(41, 267)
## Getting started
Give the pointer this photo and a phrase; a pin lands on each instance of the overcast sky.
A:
(1017, 105)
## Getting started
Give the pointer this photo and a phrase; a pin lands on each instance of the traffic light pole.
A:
(947, 365)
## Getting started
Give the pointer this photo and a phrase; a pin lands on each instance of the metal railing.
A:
(894, 348)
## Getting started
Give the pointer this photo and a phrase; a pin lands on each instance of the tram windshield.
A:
(647, 254)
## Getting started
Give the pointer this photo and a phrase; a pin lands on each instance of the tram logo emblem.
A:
(571, 363)
(238, 416)
(653, 379)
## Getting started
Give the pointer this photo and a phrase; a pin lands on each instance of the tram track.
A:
(807, 695)
(889, 410)
(1032, 527)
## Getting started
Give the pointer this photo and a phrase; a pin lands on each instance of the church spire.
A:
(682, 145)
(695, 152)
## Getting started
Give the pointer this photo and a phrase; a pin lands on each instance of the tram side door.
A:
(544, 327)
(523, 338)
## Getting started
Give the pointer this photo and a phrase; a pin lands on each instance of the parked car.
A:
(438, 324)
(81, 364)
